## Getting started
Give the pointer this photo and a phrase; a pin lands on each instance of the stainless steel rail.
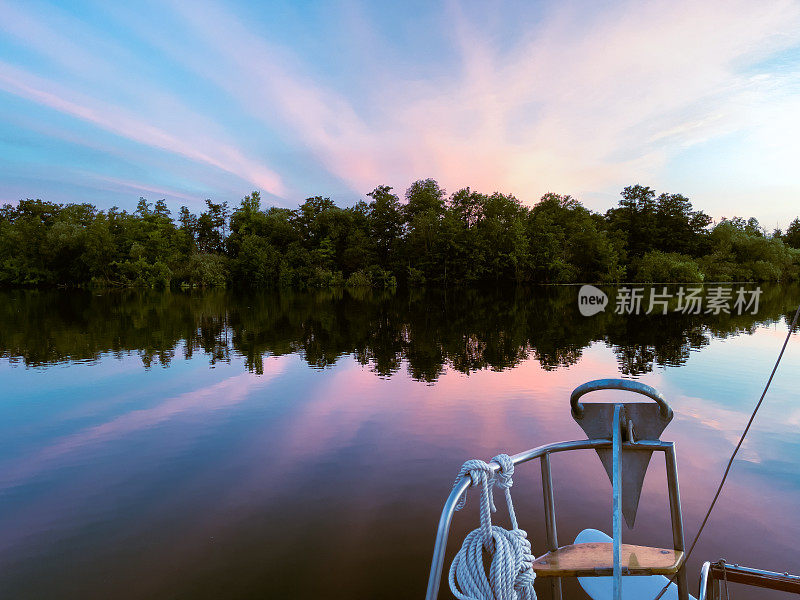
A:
(706, 583)
(616, 512)
(617, 384)
(543, 452)
(712, 573)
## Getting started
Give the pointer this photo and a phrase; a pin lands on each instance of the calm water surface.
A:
(161, 445)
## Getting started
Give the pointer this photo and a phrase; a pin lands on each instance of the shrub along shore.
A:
(430, 239)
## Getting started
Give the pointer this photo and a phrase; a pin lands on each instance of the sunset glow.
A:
(191, 100)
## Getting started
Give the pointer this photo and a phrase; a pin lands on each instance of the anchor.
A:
(639, 421)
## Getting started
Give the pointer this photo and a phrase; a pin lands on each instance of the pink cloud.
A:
(581, 103)
(119, 121)
(581, 100)
(162, 192)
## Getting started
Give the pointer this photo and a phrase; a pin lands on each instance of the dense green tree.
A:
(679, 229)
(664, 267)
(211, 227)
(307, 219)
(467, 206)
(792, 235)
(424, 197)
(385, 221)
(568, 244)
(466, 249)
(464, 239)
(740, 251)
(501, 239)
(425, 250)
(635, 219)
(257, 263)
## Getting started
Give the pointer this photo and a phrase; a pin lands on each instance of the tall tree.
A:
(679, 228)
(385, 218)
(635, 219)
(792, 235)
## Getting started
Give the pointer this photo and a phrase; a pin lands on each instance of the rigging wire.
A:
(735, 451)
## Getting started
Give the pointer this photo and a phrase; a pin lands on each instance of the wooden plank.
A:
(633, 588)
(597, 560)
(757, 578)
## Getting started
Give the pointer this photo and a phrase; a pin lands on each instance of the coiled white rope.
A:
(510, 573)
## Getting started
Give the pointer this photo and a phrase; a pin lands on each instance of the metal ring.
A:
(618, 384)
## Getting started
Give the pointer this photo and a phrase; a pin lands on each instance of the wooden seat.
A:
(597, 560)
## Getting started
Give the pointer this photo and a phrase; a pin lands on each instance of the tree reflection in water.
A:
(428, 331)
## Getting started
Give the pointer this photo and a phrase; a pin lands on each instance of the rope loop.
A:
(503, 476)
(510, 574)
(479, 472)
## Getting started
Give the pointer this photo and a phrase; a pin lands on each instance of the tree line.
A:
(430, 238)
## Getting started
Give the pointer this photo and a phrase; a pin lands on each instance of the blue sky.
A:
(105, 102)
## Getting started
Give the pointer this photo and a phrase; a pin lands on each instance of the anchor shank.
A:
(616, 481)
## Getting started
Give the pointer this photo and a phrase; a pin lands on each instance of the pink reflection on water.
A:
(355, 459)
(223, 394)
(488, 412)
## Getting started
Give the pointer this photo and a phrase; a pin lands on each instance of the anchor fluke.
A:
(640, 421)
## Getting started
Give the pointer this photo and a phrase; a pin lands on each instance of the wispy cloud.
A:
(142, 188)
(566, 97)
(122, 122)
(582, 103)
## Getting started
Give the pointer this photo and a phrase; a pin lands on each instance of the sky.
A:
(185, 100)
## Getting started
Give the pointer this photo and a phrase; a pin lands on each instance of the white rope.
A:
(510, 573)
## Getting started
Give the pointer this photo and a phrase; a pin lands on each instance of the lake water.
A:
(209, 445)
